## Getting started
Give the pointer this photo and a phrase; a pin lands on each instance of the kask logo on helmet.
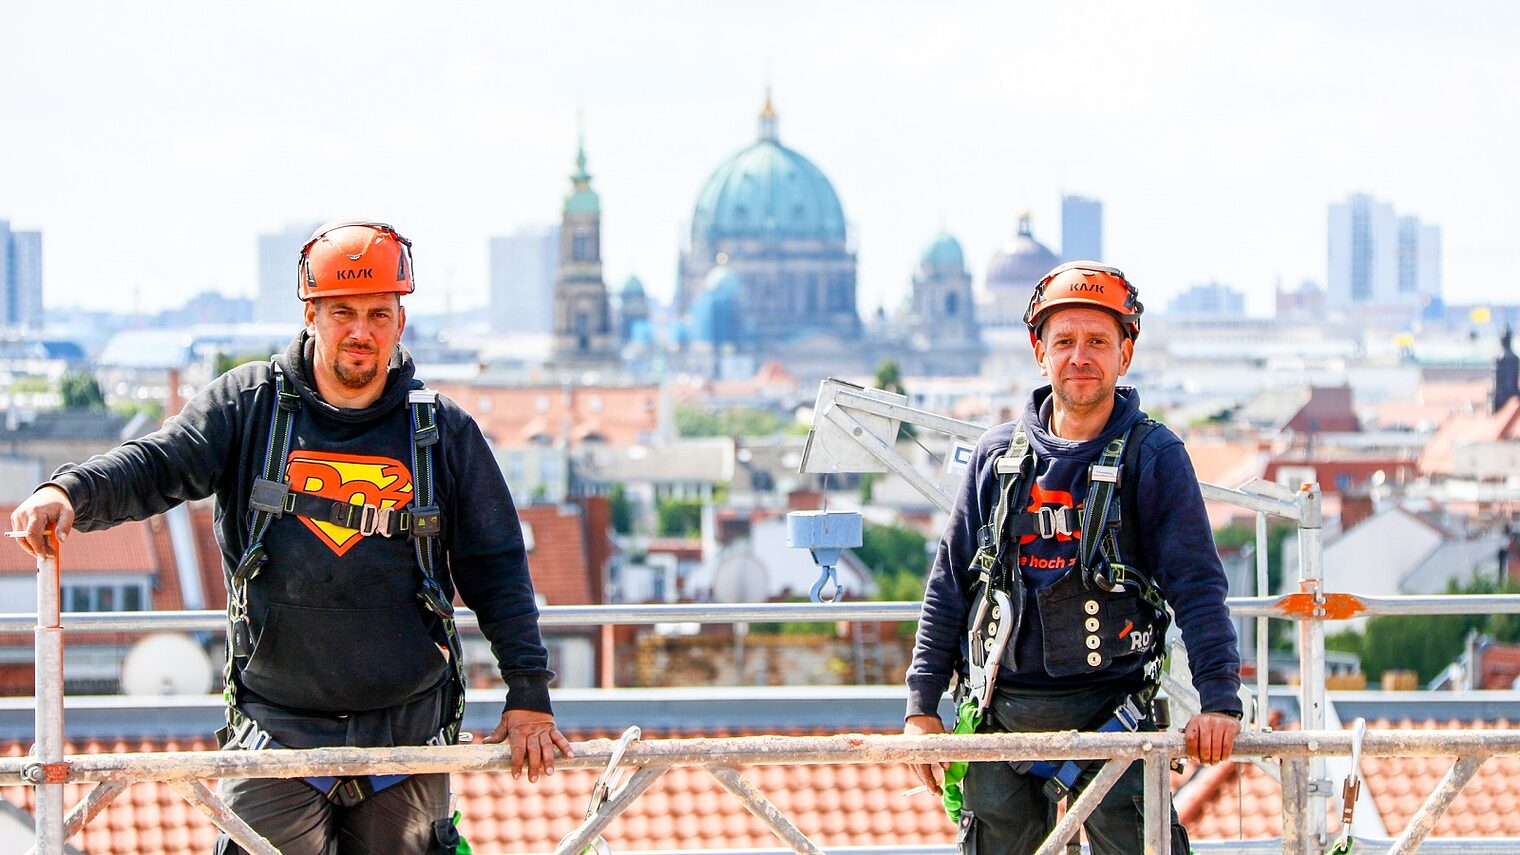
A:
(366, 273)
(357, 479)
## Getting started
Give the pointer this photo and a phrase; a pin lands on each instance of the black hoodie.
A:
(335, 614)
(1175, 540)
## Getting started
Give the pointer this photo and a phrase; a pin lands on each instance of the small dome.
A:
(944, 253)
(1021, 262)
(768, 192)
(632, 287)
(716, 313)
(721, 279)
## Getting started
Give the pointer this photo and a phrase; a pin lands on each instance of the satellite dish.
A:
(166, 664)
(741, 577)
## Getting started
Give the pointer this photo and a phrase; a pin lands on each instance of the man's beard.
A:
(354, 378)
(1073, 402)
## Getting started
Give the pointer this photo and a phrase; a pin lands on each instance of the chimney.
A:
(173, 403)
(1355, 507)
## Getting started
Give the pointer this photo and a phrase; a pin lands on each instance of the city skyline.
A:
(151, 180)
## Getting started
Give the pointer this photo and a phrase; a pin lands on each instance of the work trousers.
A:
(298, 820)
(1007, 813)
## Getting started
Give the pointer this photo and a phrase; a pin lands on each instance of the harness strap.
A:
(1061, 778)
(349, 790)
(426, 525)
(365, 519)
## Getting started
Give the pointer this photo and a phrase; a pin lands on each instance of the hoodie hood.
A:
(399, 379)
(1046, 444)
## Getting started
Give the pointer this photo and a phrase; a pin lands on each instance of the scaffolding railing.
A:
(1300, 756)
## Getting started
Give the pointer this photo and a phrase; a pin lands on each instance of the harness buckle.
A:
(1054, 521)
(271, 497)
(367, 517)
(427, 522)
(385, 520)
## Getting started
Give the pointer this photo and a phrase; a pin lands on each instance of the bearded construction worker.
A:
(351, 504)
(1078, 533)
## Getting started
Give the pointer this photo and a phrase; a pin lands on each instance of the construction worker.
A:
(351, 504)
(1078, 532)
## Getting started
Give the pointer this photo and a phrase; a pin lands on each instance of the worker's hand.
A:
(1211, 737)
(49, 506)
(931, 774)
(533, 737)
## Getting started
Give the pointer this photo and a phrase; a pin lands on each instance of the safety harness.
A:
(1100, 572)
(272, 498)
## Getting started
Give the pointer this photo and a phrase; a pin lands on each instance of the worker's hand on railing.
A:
(931, 774)
(49, 507)
(1211, 737)
(533, 738)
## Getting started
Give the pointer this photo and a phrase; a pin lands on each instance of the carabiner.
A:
(827, 576)
(610, 779)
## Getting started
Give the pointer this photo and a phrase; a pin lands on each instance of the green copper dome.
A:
(944, 253)
(768, 192)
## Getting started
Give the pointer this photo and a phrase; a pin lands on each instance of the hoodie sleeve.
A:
(489, 563)
(937, 649)
(183, 460)
(1179, 547)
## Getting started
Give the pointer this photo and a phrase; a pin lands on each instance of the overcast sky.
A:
(152, 142)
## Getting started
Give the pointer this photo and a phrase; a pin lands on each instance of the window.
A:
(105, 596)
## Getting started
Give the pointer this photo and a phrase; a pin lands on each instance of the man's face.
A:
(1084, 353)
(354, 336)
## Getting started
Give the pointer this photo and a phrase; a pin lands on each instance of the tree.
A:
(79, 391)
(227, 361)
(1426, 644)
(736, 421)
(620, 509)
(678, 517)
(889, 379)
(892, 549)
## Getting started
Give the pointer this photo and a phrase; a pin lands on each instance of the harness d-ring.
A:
(610, 779)
(825, 577)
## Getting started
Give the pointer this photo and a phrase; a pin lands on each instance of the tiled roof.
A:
(1436, 459)
(839, 805)
(558, 561)
(127, 548)
(511, 416)
(855, 804)
(1238, 800)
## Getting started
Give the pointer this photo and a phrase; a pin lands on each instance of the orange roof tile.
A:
(558, 561)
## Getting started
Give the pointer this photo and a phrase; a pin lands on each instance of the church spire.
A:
(768, 117)
(581, 197)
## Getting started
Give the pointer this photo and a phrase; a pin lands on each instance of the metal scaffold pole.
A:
(1311, 654)
(47, 769)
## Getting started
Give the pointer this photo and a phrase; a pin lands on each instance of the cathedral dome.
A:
(1021, 262)
(633, 287)
(768, 192)
(943, 253)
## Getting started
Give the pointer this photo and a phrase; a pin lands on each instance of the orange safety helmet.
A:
(348, 257)
(1085, 283)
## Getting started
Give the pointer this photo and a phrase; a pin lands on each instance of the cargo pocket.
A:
(343, 660)
(1088, 630)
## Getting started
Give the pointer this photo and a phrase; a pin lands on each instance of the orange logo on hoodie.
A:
(1039, 498)
(357, 479)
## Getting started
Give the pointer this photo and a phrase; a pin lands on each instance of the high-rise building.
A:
(20, 277)
(278, 253)
(1208, 301)
(523, 266)
(1380, 260)
(1081, 229)
(1419, 259)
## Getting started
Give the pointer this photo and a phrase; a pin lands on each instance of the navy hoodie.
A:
(336, 617)
(1176, 543)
